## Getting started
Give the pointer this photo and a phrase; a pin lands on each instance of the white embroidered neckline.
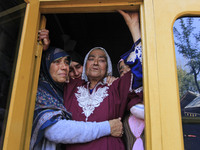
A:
(88, 101)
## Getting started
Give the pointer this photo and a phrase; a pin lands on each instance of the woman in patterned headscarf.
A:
(52, 124)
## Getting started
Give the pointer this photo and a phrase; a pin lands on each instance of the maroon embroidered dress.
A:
(104, 103)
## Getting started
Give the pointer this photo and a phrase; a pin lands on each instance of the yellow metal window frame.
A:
(163, 129)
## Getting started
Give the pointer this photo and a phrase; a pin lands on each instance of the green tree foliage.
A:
(188, 44)
(185, 81)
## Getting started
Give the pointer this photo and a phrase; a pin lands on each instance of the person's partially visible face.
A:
(75, 70)
(59, 70)
(96, 65)
(123, 68)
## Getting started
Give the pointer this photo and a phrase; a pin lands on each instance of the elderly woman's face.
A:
(96, 65)
(59, 70)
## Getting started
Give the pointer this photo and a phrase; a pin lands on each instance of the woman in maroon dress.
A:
(91, 99)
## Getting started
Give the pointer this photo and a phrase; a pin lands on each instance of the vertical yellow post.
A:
(153, 134)
(162, 105)
(34, 86)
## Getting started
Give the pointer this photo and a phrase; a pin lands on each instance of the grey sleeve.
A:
(70, 131)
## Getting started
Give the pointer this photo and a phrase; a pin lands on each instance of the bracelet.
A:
(137, 42)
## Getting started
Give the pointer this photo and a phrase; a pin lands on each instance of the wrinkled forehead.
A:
(97, 53)
(56, 54)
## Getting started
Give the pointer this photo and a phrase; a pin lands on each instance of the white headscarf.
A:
(109, 64)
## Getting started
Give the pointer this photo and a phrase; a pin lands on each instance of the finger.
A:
(41, 37)
(112, 80)
(125, 15)
(108, 80)
(121, 12)
(46, 41)
(43, 34)
(44, 38)
(44, 30)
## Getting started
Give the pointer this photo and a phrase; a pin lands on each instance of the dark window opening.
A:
(82, 32)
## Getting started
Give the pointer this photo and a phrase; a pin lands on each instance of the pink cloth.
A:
(137, 127)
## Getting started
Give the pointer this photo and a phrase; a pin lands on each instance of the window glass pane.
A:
(187, 47)
(11, 21)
